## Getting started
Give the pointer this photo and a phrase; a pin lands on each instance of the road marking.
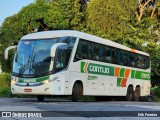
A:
(145, 106)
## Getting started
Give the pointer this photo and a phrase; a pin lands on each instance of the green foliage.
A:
(157, 92)
(59, 15)
(107, 18)
(66, 14)
(5, 85)
(41, 15)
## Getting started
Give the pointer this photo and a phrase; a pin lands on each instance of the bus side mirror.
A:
(6, 51)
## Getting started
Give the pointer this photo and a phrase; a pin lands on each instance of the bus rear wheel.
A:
(40, 98)
(129, 95)
(137, 94)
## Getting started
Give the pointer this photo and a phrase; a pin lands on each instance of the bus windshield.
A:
(33, 57)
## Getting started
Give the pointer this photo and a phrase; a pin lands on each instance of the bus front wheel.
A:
(40, 98)
(75, 93)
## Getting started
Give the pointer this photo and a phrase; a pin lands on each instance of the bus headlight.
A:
(45, 81)
(13, 81)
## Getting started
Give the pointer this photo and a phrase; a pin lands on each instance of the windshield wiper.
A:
(24, 67)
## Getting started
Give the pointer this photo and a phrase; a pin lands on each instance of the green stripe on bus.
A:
(122, 72)
(133, 73)
(30, 80)
(82, 67)
(110, 70)
(142, 75)
(119, 82)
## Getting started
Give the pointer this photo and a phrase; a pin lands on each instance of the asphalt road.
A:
(67, 110)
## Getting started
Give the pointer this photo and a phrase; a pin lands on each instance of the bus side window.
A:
(108, 54)
(119, 56)
(145, 62)
(89, 51)
(86, 50)
(132, 60)
(139, 61)
(125, 58)
(102, 53)
(95, 51)
(114, 56)
(78, 55)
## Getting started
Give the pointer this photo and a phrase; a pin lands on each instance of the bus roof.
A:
(61, 33)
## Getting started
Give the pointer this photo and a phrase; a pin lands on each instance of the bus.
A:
(73, 63)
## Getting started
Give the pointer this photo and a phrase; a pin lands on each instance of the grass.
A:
(5, 85)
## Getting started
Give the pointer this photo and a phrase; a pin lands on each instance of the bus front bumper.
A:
(44, 89)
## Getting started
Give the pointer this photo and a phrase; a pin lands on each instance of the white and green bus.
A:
(73, 63)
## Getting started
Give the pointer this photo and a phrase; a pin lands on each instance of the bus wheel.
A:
(129, 95)
(137, 94)
(40, 98)
(75, 93)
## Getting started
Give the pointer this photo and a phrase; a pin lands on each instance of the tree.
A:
(42, 15)
(67, 14)
(108, 19)
(143, 5)
(26, 21)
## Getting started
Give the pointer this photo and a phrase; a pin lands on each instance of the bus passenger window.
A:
(102, 53)
(138, 62)
(78, 55)
(83, 51)
(132, 60)
(145, 62)
(108, 54)
(121, 62)
(125, 58)
(114, 56)
(96, 49)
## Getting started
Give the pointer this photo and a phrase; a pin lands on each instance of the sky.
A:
(10, 7)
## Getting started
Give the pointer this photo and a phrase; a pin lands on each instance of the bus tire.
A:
(40, 98)
(129, 95)
(75, 93)
(137, 94)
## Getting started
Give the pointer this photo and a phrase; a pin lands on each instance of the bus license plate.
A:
(27, 90)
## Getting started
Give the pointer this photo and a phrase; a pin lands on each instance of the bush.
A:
(157, 92)
(5, 85)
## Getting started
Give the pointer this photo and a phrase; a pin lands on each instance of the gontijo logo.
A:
(97, 69)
